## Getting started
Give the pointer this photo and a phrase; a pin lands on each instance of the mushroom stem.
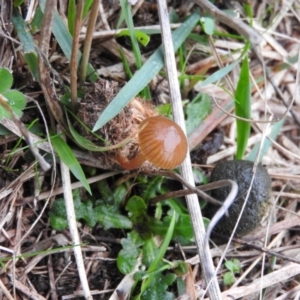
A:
(131, 164)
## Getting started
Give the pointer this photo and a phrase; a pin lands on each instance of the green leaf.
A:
(119, 195)
(233, 265)
(243, 109)
(107, 215)
(197, 111)
(4, 130)
(150, 251)
(127, 258)
(27, 41)
(82, 141)
(159, 287)
(109, 218)
(219, 74)
(71, 16)
(228, 278)
(143, 76)
(16, 101)
(64, 40)
(137, 207)
(6, 80)
(66, 154)
(18, 2)
(58, 215)
(84, 211)
(32, 61)
(164, 246)
(142, 37)
(37, 21)
(126, 13)
(262, 150)
(183, 231)
(86, 7)
(199, 176)
(153, 187)
(208, 25)
(159, 256)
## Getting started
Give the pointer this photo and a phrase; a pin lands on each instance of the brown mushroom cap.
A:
(162, 142)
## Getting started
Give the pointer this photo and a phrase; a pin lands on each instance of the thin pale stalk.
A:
(71, 216)
(74, 55)
(186, 167)
(88, 40)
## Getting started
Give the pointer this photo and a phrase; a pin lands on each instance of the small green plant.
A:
(233, 267)
(151, 229)
(11, 100)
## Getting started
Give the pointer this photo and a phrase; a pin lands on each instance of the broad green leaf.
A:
(143, 76)
(153, 187)
(107, 215)
(16, 101)
(83, 210)
(137, 207)
(158, 289)
(150, 250)
(233, 265)
(127, 258)
(58, 215)
(197, 110)
(119, 195)
(208, 25)
(183, 231)
(142, 37)
(228, 278)
(66, 154)
(109, 218)
(243, 109)
(6, 80)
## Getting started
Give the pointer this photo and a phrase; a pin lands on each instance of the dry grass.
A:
(271, 266)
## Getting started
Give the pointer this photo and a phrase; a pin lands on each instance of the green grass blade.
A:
(142, 37)
(143, 76)
(67, 156)
(243, 109)
(64, 40)
(126, 8)
(162, 250)
(275, 131)
(129, 21)
(86, 7)
(71, 16)
(6, 80)
(27, 41)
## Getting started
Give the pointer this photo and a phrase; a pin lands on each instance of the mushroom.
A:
(161, 142)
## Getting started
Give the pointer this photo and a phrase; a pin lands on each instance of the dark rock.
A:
(257, 205)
